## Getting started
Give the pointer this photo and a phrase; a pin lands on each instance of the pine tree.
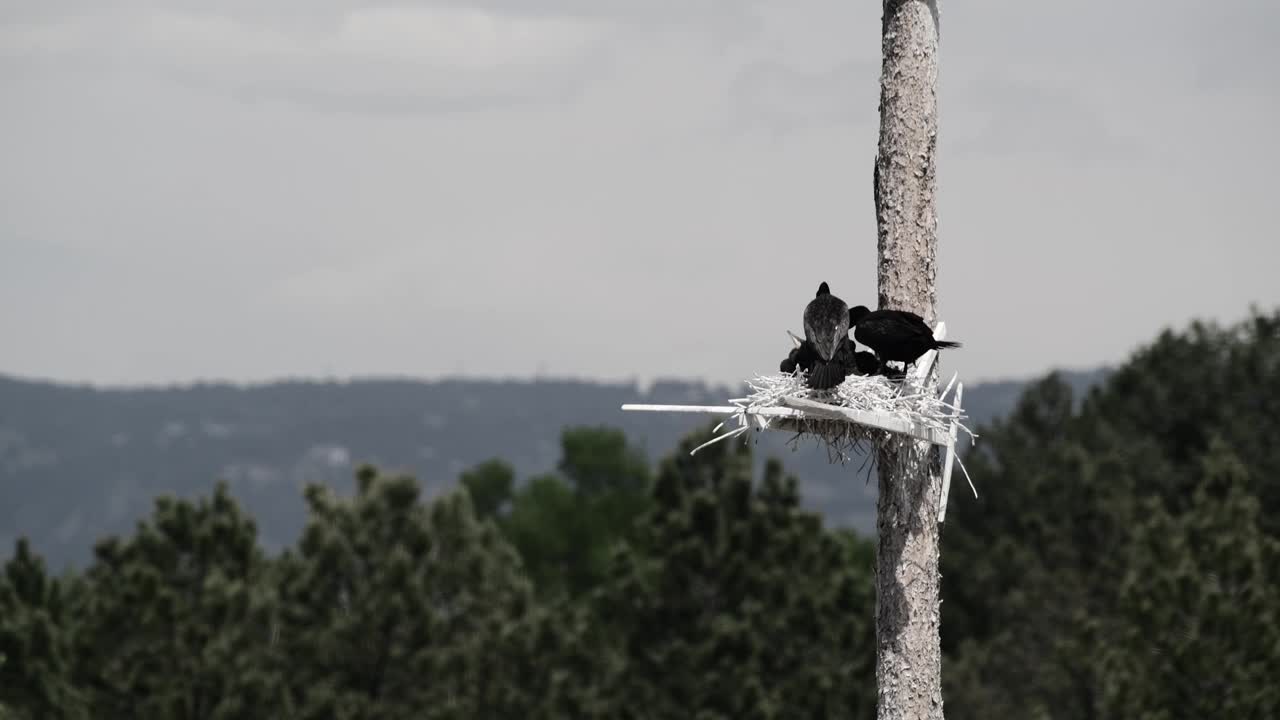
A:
(566, 524)
(1197, 630)
(491, 485)
(1097, 512)
(35, 641)
(172, 619)
(391, 608)
(5, 714)
(735, 603)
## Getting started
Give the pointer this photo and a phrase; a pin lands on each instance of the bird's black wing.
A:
(909, 316)
(905, 324)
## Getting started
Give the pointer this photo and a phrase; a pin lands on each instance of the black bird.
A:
(865, 363)
(854, 362)
(826, 328)
(826, 374)
(895, 335)
(801, 356)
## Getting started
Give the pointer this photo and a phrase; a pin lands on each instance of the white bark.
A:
(909, 655)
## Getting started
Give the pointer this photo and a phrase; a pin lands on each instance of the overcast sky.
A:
(608, 188)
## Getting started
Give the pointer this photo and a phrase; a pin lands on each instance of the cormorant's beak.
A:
(828, 351)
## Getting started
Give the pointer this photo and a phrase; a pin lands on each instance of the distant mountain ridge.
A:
(78, 462)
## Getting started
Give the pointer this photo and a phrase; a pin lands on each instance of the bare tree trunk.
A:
(909, 654)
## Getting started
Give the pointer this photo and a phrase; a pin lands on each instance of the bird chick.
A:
(801, 356)
(865, 363)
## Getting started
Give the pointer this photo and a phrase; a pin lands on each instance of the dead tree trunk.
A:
(909, 655)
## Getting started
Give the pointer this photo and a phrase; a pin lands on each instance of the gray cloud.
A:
(400, 56)
(719, 15)
(278, 188)
(784, 99)
(381, 89)
(383, 58)
(1005, 115)
(1239, 46)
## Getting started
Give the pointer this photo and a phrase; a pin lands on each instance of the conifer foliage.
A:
(170, 620)
(750, 609)
(1122, 562)
(36, 655)
(395, 608)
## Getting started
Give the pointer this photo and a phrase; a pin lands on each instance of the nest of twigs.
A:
(902, 398)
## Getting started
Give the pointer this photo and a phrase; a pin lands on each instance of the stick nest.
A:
(903, 398)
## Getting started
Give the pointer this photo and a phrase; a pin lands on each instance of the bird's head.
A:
(826, 331)
(857, 313)
(826, 322)
(866, 362)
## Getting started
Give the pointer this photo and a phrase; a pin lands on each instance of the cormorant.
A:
(854, 362)
(866, 363)
(826, 374)
(801, 356)
(895, 335)
(826, 328)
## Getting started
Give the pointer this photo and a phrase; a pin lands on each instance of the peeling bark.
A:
(909, 654)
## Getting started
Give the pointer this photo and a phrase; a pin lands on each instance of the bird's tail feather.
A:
(946, 344)
(826, 375)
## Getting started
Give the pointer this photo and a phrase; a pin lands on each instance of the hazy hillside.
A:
(77, 462)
